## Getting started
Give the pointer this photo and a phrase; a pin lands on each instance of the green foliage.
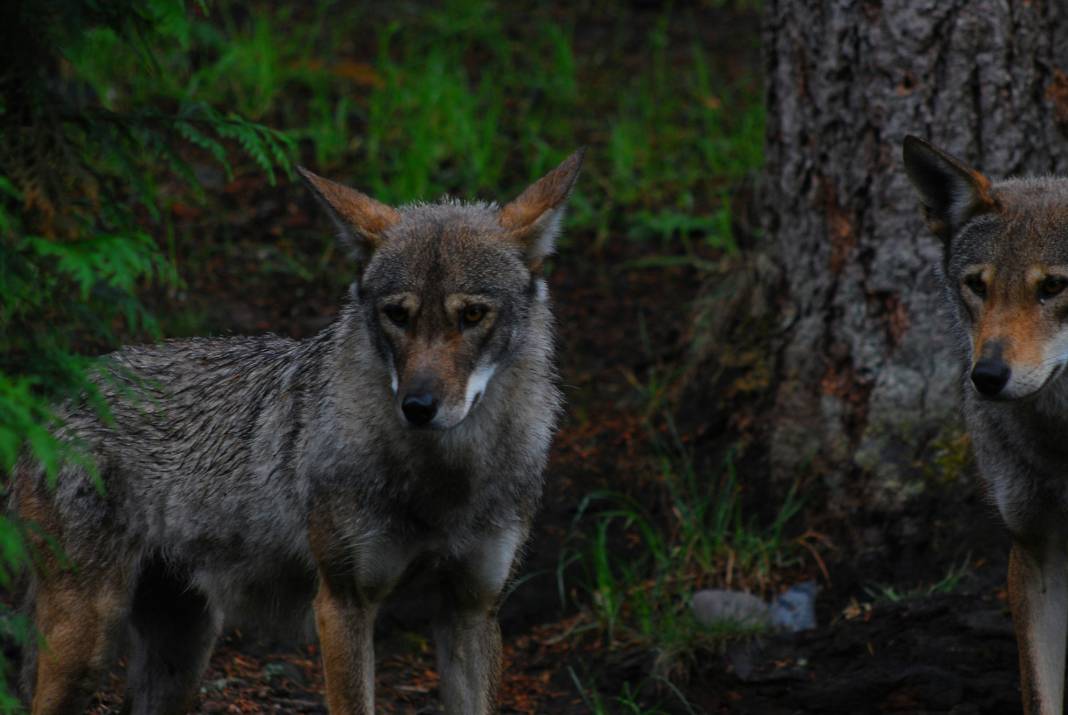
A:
(84, 178)
(88, 171)
(695, 536)
(635, 560)
(678, 140)
(632, 698)
(469, 98)
(953, 579)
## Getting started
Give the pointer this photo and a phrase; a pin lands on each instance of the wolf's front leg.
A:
(466, 632)
(469, 659)
(346, 626)
(353, 582)
(1038, 595)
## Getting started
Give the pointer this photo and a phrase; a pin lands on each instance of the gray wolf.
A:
(254, 476)
(1005, 272)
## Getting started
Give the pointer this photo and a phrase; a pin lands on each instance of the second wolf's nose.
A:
(989, 376)
(419, 409)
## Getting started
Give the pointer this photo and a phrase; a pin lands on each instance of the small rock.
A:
(795, 609)
(284, 670)
(714, 606)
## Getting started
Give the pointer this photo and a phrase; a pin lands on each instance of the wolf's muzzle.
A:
(419, 409)
(990, 376)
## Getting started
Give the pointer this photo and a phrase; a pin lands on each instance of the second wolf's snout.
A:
(990, 375)
(991, 372)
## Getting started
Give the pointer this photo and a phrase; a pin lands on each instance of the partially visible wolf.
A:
(409, 437)
(1006, 270)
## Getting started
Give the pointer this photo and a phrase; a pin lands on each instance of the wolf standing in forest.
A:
(1006, 271)
(408, 438)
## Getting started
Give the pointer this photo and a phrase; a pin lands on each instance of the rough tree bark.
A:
(868, 379)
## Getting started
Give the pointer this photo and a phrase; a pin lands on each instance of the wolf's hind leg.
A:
(78, 617)
(1038, 594)
(173, 631)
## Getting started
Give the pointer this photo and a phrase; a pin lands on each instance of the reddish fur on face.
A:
(441, 359)
(1013, 317)
(1017, 329)
(436, 351)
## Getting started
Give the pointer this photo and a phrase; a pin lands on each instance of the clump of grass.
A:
(953, 579)
(639, 564)
(632, 698)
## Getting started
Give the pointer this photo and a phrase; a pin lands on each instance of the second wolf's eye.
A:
(975, 284)
(472, 315)
(1051, 286)
(398, 314)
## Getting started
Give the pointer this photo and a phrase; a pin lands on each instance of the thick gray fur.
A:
(220, 452)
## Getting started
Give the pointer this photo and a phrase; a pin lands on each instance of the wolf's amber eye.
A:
(398, 314)
(1051, 286)
(975, 284)
(472, 315)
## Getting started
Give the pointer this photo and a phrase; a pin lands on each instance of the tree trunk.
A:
(868, 377)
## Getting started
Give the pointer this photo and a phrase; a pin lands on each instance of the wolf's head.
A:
(1006, 263)
(449, 290)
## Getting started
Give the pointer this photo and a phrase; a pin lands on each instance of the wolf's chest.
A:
(438, 495)
(1022, 457)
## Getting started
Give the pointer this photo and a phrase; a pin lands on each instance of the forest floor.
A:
(887, 641)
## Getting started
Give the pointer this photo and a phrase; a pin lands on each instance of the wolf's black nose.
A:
(419, 409)
(989, 376)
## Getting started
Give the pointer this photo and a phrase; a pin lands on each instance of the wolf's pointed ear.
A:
(951, 191)
(532, 219)
(361, 220)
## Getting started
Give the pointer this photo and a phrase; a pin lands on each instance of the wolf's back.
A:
(195, 456)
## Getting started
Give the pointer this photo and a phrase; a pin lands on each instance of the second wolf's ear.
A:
(532, 219)
(951, 191)
(361, 220)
